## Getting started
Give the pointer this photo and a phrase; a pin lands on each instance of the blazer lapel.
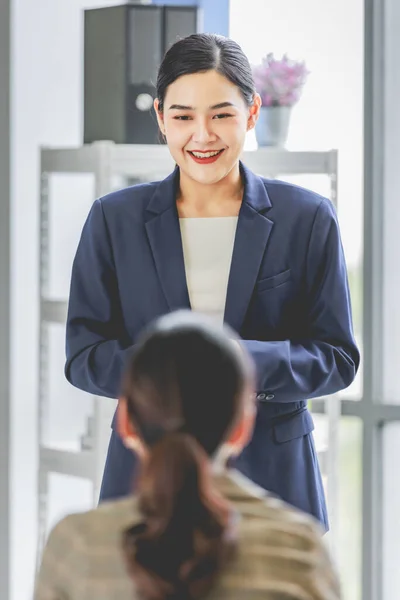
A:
(165, 240)
(253, 231)
(252, 234)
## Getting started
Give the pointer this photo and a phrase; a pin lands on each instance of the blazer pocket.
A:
(293, 427)
(273, 282)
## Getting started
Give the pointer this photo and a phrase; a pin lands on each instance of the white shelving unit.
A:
(111, 163)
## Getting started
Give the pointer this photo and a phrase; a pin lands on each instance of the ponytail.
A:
(186, 534)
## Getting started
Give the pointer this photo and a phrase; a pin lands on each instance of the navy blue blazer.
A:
(287, 297)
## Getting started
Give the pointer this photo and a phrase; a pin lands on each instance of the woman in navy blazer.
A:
(287, 294)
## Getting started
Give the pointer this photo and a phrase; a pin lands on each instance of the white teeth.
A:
(205, 154)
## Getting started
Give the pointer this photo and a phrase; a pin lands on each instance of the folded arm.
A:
(96, 341)
(326, 359)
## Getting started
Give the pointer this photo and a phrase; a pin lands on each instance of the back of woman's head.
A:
(202, 52)
(185, 389)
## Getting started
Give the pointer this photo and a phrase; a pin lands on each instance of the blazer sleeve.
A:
(326, 359)
(96, 340)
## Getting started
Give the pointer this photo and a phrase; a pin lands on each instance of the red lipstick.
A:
(208, 158)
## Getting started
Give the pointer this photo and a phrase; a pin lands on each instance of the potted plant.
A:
(279, 83)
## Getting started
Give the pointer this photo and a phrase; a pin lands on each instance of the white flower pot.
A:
(272, 127)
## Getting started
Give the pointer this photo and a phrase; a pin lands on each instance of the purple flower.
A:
(279, 82)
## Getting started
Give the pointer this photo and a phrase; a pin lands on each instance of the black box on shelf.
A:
(123, 48)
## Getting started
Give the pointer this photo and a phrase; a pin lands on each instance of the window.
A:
(329, 37)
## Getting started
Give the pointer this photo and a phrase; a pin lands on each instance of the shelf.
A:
(53, 311)
(67, 462)
(145, 160)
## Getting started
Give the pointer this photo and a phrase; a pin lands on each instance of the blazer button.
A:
(263, 397)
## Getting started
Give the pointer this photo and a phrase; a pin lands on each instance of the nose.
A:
(203, 133)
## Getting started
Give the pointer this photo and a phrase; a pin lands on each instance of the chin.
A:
(209, 179)
(209, 175)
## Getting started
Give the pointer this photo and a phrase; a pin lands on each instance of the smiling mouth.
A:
(205, 158)
(209, 154)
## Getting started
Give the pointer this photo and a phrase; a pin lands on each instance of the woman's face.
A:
(205, 120)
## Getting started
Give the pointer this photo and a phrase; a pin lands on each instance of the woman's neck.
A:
(223, 199)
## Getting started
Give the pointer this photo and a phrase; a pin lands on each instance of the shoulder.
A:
(61, 562)
(133, 199)
(257, 506)
(280, 546)
(275, 537)
(82, 530)
(263, 514)
(108, 517)
(82, 543)
(269, 517)
(285, 533)
(286, 196)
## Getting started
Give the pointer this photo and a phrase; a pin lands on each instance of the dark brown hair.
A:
(184, 388)
(202, 52)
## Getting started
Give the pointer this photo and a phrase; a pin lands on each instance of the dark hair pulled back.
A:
(202, 52)
(184, 388)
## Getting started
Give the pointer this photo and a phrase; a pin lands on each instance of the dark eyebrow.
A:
(180, 107)
(214, 107)
(222, 105)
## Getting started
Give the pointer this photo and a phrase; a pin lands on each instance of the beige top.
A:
(281, 554)
(207, 249)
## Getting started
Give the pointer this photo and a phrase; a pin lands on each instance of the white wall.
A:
(5, 49)
(328, 35)
(47, 70)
